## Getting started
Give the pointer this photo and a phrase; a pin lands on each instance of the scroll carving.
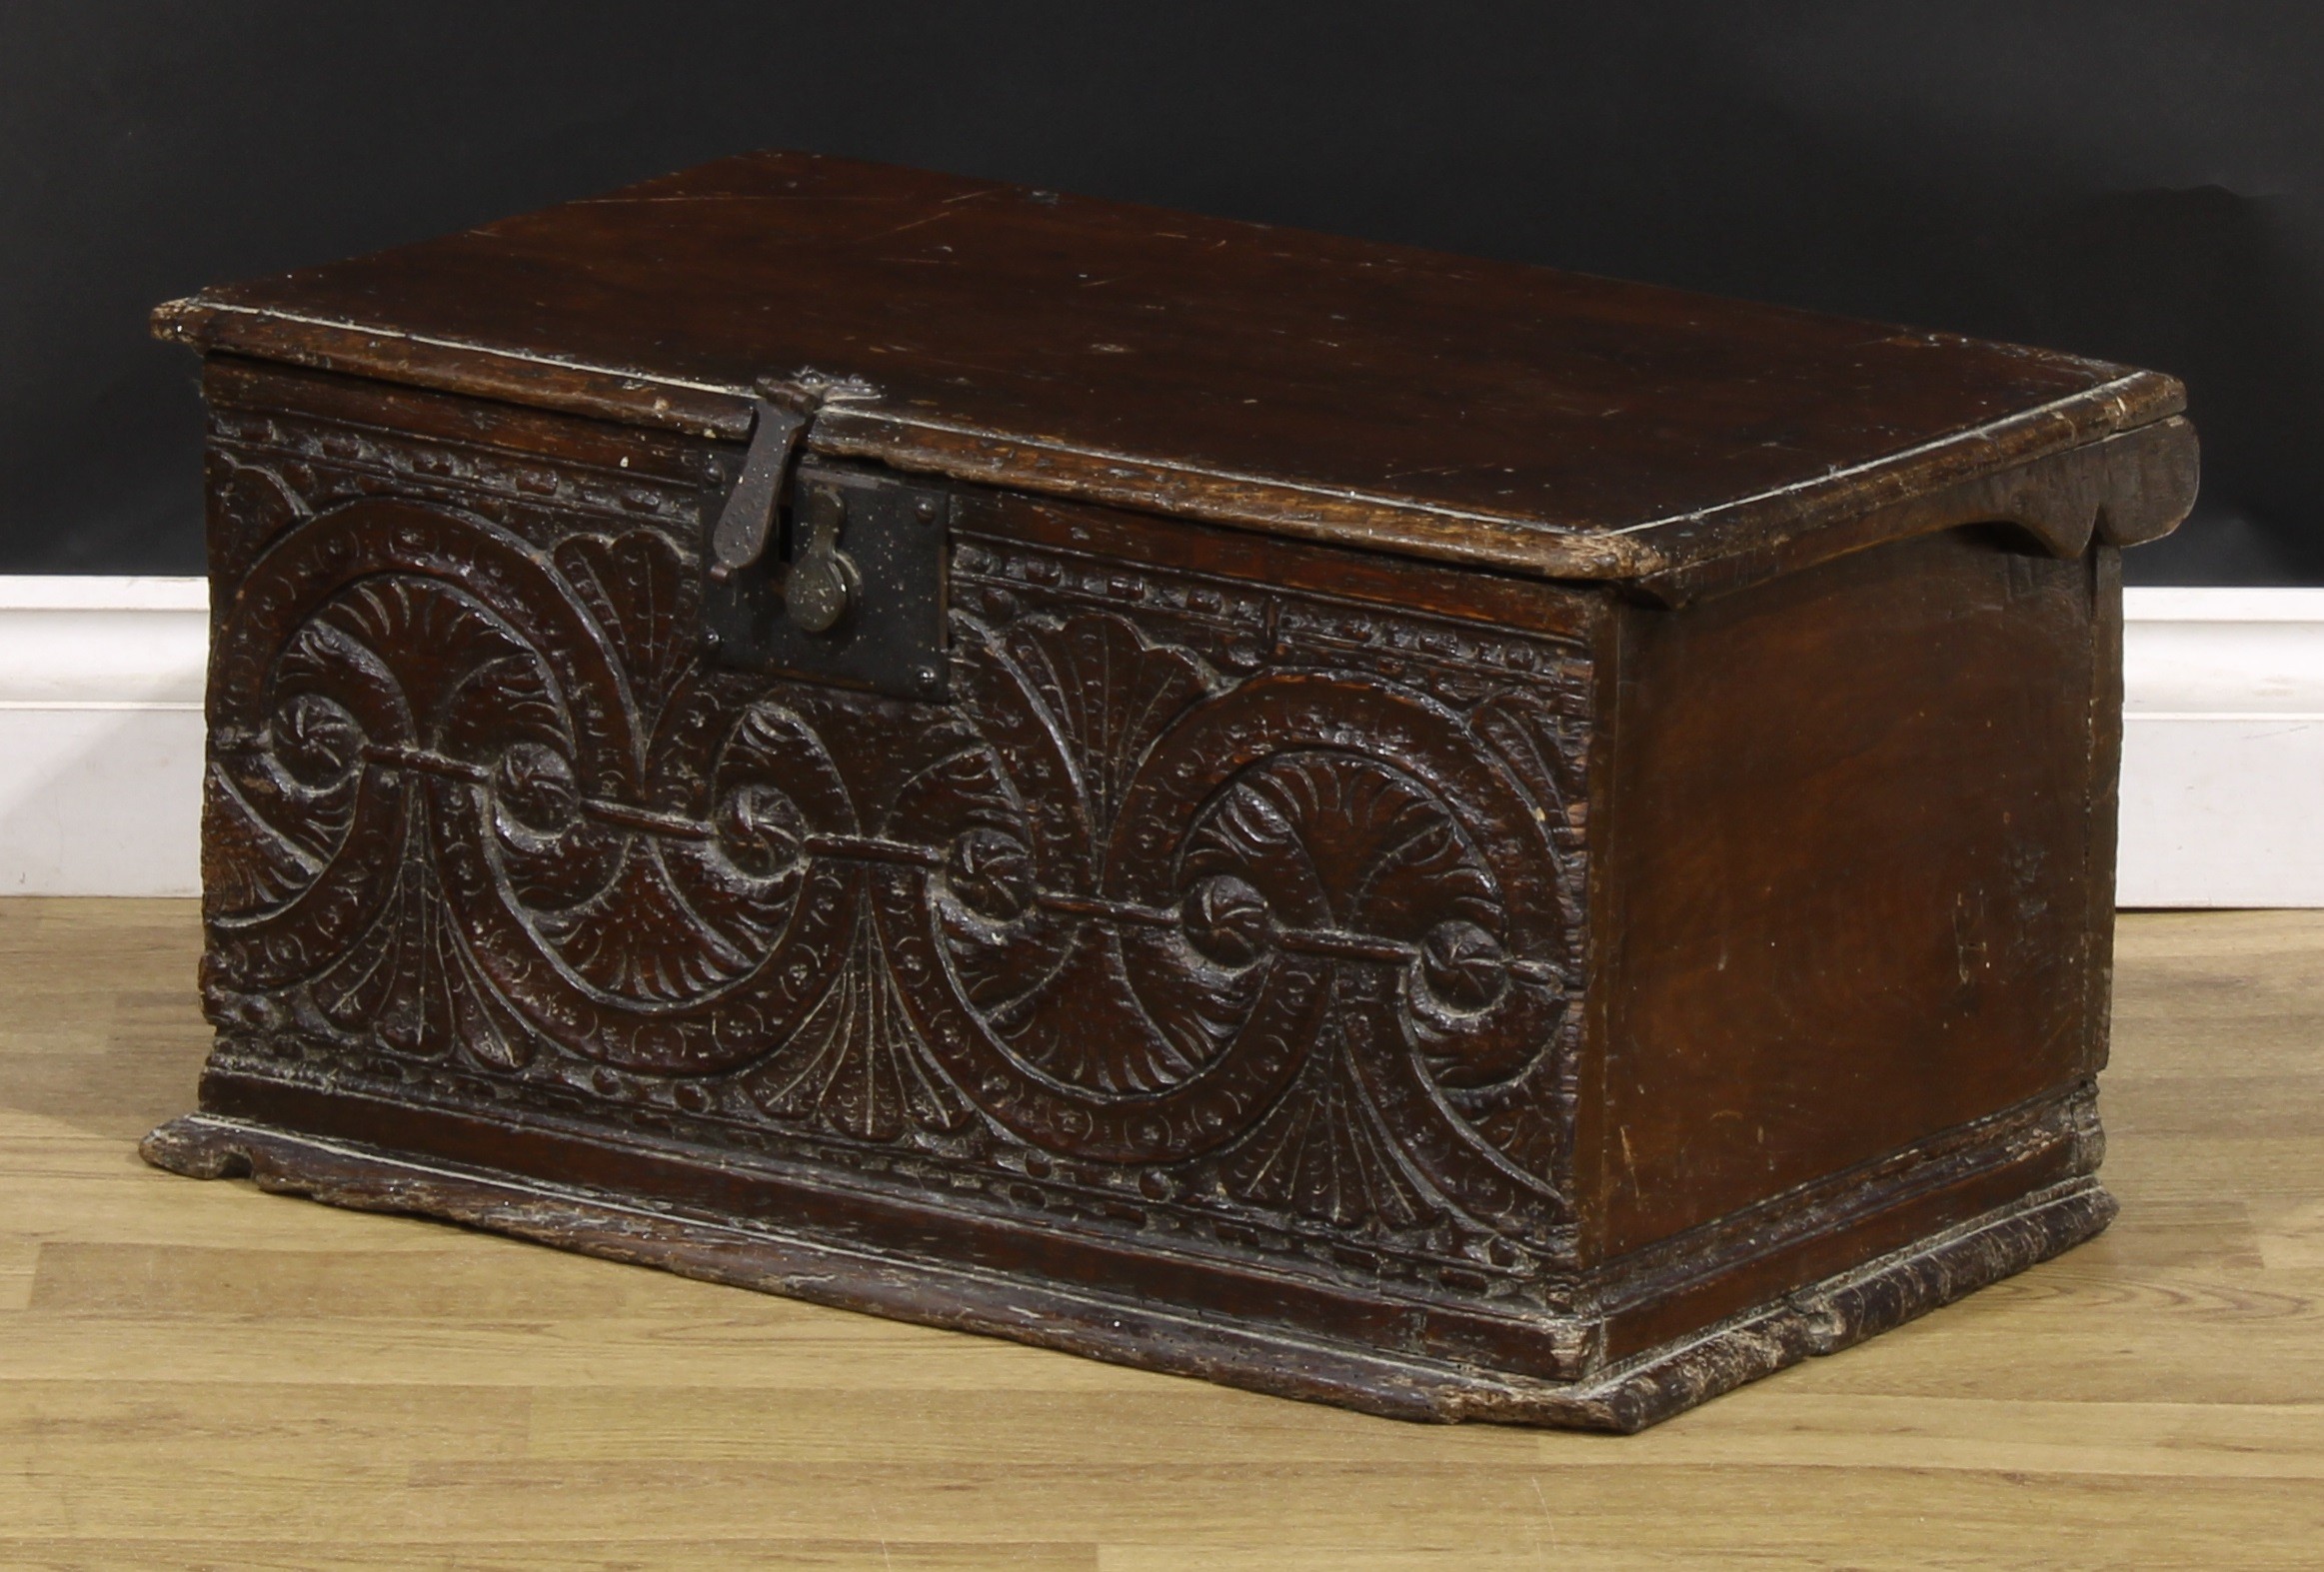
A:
(1258, 910)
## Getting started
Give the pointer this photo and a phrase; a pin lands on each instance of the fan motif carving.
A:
(474, 801)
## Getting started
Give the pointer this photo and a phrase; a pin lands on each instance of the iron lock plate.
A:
(870, 541)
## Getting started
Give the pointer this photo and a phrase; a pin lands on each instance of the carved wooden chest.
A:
(1427, 834)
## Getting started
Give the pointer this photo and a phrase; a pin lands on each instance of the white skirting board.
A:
(2222, 749)
(101, 734)
(101, 742)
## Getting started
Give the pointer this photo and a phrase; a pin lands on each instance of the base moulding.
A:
(1822, 1318)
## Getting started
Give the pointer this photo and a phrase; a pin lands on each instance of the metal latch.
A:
(830, 572)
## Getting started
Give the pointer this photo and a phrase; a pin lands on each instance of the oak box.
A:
(1439, 836)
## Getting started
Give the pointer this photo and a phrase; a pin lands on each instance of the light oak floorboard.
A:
(199, 1375)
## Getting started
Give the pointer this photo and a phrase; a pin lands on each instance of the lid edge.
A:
(863, 429)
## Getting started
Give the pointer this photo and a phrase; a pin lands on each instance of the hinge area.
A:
(825, 570)
(746, 525)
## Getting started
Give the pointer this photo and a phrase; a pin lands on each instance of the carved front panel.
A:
(1206, 910)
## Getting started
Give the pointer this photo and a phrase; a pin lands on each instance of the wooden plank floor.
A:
(199, 1375)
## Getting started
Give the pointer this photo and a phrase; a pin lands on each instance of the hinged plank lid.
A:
(1300, 384)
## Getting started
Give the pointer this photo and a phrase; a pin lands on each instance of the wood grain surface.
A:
(1301, 384)
(201, 1375)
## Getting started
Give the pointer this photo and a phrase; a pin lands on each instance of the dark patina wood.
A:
(1492, 844)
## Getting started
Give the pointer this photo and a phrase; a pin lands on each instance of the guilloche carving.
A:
(474, 799)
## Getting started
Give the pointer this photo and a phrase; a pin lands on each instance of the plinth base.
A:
(1820, 1319)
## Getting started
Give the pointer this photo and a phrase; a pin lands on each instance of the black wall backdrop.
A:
(2141, 180)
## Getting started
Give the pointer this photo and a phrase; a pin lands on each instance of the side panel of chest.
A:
(1233, 910)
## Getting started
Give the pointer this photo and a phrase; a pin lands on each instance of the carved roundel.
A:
(1159, 967)
(470, 795)
(454, 780)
